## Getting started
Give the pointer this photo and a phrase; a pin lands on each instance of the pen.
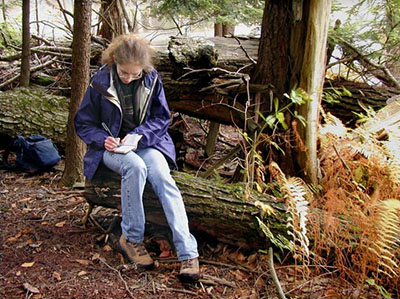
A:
(108, 130)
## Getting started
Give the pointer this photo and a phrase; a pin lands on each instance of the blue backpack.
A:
(34, 153)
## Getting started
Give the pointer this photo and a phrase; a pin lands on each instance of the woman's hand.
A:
(111, 143)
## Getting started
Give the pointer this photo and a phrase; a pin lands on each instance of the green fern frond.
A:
(279, 241)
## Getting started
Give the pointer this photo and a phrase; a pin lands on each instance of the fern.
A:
(388, 230)
(295, 193)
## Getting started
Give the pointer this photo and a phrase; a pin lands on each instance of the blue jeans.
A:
(135, 168)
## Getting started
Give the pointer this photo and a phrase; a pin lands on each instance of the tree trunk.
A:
(26, 45)
(214, 208)
(274, 65)
(79, 81)
(218, 29)
(312, 81)
(228, 29)
(111, 20)
(3, 10)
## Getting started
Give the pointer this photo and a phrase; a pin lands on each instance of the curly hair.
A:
(129, 48)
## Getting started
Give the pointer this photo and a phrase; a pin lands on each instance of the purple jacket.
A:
(101, 104)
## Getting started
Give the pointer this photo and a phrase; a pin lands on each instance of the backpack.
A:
(34, 153)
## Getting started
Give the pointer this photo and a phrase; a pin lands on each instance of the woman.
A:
(126, 96)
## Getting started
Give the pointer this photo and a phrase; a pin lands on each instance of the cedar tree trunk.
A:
(312, 81)
(79, 82)
(26, 49)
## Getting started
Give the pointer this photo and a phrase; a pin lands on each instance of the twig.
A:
(341, 159)
(309, 281)
(229, 266)
(96, 223)
(244, 50)
(34, 69)
(215, 69)
(45, 41)
(65, 13)
(182, 291)
(220, 280)
(126, 16)
(120, 276)
(383, 68)
(233, 152)
(273, 273)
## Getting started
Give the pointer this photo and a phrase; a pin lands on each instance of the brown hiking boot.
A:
(190, 271)
(136, 253)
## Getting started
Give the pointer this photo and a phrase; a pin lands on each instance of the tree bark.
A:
(26, 48)
(228, 29)
(214, 208)
(79, 81)
(33, 111)
(218, 29)
(312, 81)
(111, 18)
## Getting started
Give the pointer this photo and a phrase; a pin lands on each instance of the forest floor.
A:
(46, 252)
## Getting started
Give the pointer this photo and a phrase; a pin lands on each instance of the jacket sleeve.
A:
(88, 120)
(155, 126)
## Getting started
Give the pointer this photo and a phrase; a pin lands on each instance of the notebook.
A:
(130, 144)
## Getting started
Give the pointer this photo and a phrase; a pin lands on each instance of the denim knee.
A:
(133, 167)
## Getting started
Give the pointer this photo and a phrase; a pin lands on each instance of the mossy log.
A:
(214, 208)
(33, 111)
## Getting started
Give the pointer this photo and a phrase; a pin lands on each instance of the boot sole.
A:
(188, 278)
(140, 266)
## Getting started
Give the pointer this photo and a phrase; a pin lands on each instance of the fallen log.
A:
(214, 208)
(345, 99)
(207, 93)
(33, 111)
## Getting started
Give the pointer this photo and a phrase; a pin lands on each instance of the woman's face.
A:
(129, 71)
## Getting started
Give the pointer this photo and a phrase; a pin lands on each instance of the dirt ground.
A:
(46, 252)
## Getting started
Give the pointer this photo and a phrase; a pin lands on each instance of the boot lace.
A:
(187, 264)
(140, 248)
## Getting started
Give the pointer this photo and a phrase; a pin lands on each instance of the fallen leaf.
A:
(83, 262)
(27, 265)
(240, 275)
(15, 238)
(26, 231)
(57, 275)
(165, 254)
(31, 288)
(36, 245)
(25, 199)
(37, 296)
(237, 256)
(61, 224)
(107, 248)
(95, 256)
(82, 273)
